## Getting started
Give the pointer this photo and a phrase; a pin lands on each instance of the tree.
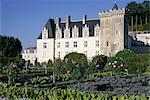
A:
(139, 15)
(10, 47)
(132, 10)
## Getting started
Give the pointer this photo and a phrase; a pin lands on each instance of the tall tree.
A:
(10, 47)
(146, 5)
(132, 10)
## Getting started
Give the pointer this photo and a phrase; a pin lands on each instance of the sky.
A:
(25, 19)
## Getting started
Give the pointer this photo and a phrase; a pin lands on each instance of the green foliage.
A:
(100, 61)
(100, 74)
(127, 61)
(10, 46)
(15, 93)
(59, 67)
(76, 63)
(10, 49)
(138, 15)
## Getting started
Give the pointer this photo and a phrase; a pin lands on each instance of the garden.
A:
(125, 76)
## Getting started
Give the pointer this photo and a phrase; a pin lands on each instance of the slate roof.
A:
(50, 25)
(79, 24)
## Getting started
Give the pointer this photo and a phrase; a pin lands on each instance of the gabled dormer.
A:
(75, 31)
(67, 32)
(44, 33)
(96, 30)
(48, 30)
(58, 33)
(85, 31)
(58, 29)
(67, 29)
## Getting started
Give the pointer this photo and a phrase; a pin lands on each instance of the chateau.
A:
(106, 35)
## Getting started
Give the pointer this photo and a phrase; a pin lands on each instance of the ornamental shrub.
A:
(128, 61)
(76, 63)
(100, 61)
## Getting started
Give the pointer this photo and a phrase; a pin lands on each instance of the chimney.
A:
(58, 20)
(84, 20)
(68, 22)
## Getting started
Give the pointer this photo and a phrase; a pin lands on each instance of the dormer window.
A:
(97, 33)
(85, 31)
(45, 33)
(96, 30)
(75, 31)
(75, 35)
(58, 35)
(67, 33)
(85, 34)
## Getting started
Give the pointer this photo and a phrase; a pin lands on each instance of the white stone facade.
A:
(30, 54)
(45, 50)
(88, 45)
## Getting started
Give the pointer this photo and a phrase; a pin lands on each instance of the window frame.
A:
(75, 44)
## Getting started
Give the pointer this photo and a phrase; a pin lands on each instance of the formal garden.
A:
(124, 76)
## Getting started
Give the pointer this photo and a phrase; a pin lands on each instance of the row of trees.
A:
(139, 15)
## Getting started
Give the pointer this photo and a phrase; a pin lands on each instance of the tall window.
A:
(85, 52)
(67, 44)
(67, 35)
(45, 36)
(97, 43)
(85, 34)
(75, 44)
(96, 33)
(58, 54)
(107, 43)
(44, 45)
(85, 44)
(58, 35)
(58, 45)
(75, 34)
(97, 52)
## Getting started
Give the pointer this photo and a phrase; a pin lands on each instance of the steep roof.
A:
(50, 25)
(115, 7)
(79, 24)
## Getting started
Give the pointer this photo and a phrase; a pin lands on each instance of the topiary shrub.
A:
(76, 63)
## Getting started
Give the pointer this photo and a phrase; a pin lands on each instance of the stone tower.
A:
(114, 31)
